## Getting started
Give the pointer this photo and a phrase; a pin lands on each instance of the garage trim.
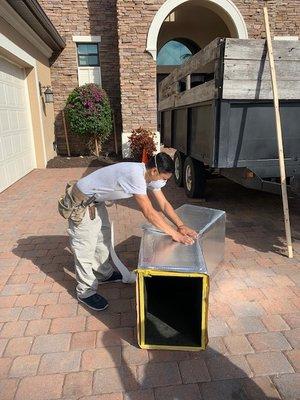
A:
(18, 56)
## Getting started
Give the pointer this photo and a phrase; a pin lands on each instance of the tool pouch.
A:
(74, 203)
(66, 202)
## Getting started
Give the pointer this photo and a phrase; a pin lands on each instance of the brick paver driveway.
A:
(53, 348)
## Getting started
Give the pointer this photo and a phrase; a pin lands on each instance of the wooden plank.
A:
(253, 70)
(166, 91)
(256, 49)
(172, 88)
(168, 86)
(204, 92)
(188, 82)
(259, 90)
(166, 103)
(166, 94)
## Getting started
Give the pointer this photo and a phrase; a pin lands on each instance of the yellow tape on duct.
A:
(172, 324)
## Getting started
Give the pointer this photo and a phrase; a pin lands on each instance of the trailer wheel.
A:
(194, 178)
(178, 173)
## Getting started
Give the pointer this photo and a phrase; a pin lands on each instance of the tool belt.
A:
(74, 204)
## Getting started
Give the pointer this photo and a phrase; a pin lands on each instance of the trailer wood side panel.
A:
(247, 72)
(244, 89)
(204, 92)
(254, 49)
(260, 70)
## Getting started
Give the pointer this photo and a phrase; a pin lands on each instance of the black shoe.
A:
(116, 277)
(95, 302)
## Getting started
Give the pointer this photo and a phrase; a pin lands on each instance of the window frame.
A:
(88, 54)
(191, 46)
(91, 39)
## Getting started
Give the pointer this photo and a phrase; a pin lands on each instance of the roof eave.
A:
(34, 15)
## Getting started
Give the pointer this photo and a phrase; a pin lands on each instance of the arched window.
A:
(176, 51)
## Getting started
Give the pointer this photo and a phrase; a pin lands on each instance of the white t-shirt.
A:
(118, 181)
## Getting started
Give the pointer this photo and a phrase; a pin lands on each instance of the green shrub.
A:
(89, 114)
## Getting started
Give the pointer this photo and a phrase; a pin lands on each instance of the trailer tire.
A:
(194, 178)
(179, 163)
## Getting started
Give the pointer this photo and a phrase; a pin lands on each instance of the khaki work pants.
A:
(90, 243)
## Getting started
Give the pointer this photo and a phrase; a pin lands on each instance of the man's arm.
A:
(166, 207)
(157, 220)
(169, 211)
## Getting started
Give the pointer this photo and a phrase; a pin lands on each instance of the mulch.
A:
(92, 161)
(82, 161)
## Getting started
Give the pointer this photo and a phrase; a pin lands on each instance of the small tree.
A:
(89, 114)
(141, 140)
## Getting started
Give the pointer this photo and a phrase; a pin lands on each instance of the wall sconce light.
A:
(48, 93)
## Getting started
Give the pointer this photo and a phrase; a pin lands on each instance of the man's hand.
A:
(185, 230)
(185, 239)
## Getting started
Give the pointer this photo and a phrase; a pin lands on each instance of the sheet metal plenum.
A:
(169, 272)
(159, 252)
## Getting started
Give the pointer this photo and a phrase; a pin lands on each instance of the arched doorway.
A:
(226, 10)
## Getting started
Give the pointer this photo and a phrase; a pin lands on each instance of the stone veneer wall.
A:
(83, 18)
(138, 69)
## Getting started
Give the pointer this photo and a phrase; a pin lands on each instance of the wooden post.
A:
(96, 146)
(188, 82)
(66, 132)
(279, 135)
(115, 134)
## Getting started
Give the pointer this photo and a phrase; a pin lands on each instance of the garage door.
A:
(17, 156)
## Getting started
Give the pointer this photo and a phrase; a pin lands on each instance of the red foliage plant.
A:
(141, 139)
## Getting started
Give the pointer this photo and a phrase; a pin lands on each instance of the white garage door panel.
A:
(16, 143)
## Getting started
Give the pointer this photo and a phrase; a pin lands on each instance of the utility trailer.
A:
(217, 111)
